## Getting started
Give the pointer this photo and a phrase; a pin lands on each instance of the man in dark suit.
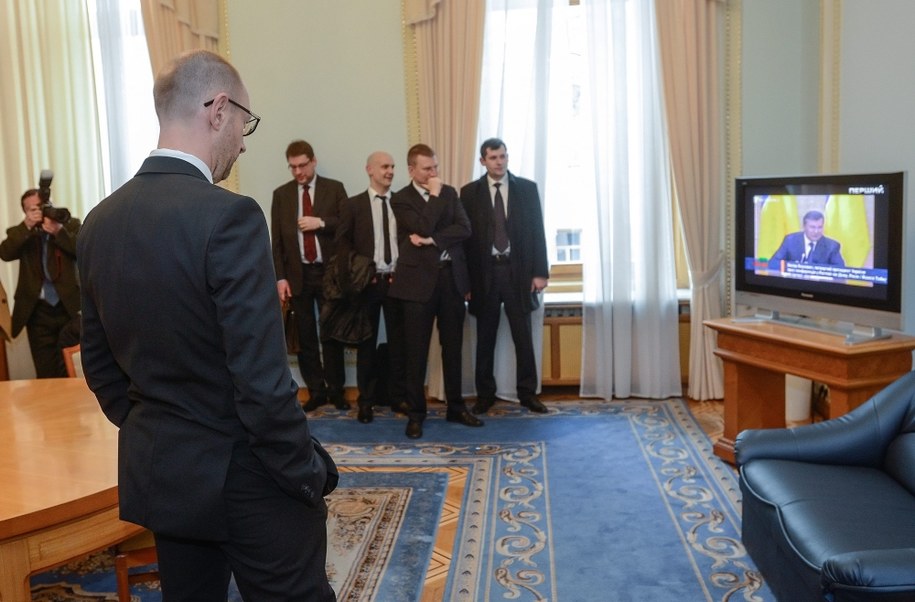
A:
(506, 258)
(183, 345)
(368, 227)
(809, 245)
(431, 279)
(303, 220)
(47, 293)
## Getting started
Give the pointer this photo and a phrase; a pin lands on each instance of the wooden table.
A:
(58, 479)
(758, 354)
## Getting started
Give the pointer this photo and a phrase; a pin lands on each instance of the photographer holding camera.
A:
(46, 301)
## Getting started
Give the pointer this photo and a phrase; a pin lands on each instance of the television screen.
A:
(804, 241)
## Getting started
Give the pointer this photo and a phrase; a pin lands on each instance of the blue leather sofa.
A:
(829, 508)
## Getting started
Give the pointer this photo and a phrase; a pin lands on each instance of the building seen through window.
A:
(568, 246)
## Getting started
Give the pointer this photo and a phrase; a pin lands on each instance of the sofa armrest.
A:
(859, 438)
(870, 575)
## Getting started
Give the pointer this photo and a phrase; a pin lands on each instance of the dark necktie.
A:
(806, 258)
(386, 229)
(308, 238)
(47, 284)
(500, 232)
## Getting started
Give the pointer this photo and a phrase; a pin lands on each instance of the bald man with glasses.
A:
(183, 346)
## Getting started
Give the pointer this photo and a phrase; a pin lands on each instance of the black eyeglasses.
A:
(250, 124)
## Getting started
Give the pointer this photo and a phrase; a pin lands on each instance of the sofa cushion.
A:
(826, 510)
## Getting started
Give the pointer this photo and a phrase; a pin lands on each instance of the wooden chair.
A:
(72, 362)
(129, 557)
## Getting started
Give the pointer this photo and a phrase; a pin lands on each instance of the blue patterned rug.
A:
(595, 501)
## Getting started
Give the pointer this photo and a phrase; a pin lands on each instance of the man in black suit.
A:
(368, 227)
(47, 292)
(809, 245)
(183, 346)
(303, 219)
(506, 258)
(431, 279)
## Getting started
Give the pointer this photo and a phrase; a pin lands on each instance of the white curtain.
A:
(630, 342)
(126, 90)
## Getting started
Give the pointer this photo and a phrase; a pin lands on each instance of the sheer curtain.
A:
(126, 89)
(630, 345)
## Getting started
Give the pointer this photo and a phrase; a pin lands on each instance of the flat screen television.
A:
(850, 277)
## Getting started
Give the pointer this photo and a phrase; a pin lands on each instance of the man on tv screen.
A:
(809, 245)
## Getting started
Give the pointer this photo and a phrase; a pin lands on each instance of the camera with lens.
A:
(58, 214)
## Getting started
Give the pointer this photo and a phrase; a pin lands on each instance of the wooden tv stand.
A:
(757, 355)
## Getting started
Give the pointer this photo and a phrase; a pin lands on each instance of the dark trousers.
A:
(44, 329)
(446, 306)
(503, 292)
(322, 368)
(277, 546)
(371, 367)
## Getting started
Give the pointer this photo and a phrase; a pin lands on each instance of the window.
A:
(514, 75)
(568, 246)
(536, 79)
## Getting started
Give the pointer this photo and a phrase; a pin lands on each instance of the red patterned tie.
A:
(308, 238)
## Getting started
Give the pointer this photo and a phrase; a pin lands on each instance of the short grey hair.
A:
(191, 79)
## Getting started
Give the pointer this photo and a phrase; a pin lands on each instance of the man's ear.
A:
(216, 112)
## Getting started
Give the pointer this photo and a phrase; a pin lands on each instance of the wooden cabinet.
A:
(758, 355)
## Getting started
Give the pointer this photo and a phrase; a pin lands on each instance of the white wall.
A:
(781, 87)
(877, 128)
(326, 71)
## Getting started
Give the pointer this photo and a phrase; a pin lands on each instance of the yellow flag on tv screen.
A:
(777, 218)
(846, 222)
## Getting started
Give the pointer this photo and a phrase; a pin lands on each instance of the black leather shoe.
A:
(314, 403)
(365, 414)
(534, 405)
(414, 429)
(339, 403)
(463, 417)
(482, 405)
(401, 407)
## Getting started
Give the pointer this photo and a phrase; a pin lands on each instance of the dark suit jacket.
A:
(356, 229)
(826, 252)
(287, 260)
(525, 233)
(442, 218)
(183, 346)
(25, 245)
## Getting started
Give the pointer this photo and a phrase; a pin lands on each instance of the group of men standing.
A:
(182, 344)
(432, 250)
